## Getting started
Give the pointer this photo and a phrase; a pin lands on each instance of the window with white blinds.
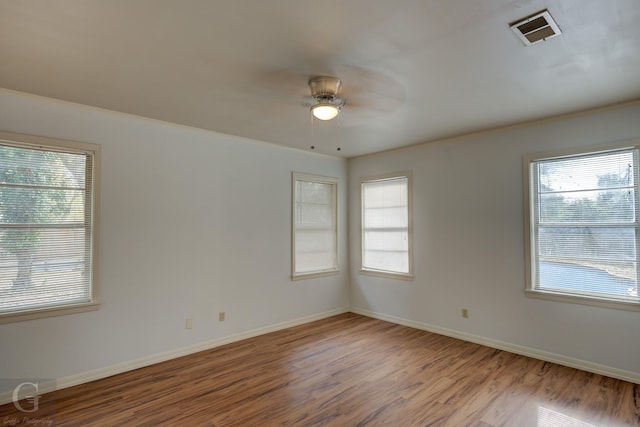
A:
(386, 226)
(315, 226)
(47, 227)
(583, 225)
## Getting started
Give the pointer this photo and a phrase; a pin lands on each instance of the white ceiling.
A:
(412, 71)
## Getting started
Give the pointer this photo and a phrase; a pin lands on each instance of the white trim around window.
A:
(314, 226)
(49, 227)
(386, 226)
(582, 228)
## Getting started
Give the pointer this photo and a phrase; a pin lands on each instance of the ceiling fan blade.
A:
(358, 116)
(373, 89)
(286, 84)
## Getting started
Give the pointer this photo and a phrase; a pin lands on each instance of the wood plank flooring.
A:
(346, 370)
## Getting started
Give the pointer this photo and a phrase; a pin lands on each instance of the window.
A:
(48, 227)
(583, 233)
(315, 226)
(386, 226)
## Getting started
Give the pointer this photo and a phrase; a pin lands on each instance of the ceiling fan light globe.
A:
(324, 111)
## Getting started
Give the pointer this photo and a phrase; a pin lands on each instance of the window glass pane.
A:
(315, 216)
(587, 243)
(587, 172)
(614, 205)
(314, 192)
(386, 217)
(37, 167)
(386, 241)
(51, 270)
(596, 188)
(41, 206)
(313, 241)
(585, 278)
(309, 262)
(386, 193)
(387, 261)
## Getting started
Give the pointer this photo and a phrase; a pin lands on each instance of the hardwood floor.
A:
(347, 370)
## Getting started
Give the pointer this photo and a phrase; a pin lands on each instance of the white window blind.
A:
(46, 228)
(584, 229)
(315, 225)
(385, 225)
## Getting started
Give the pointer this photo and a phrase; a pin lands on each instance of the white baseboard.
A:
(107, 371)
(571, 362)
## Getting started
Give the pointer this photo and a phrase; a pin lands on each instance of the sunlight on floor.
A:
(550, 418)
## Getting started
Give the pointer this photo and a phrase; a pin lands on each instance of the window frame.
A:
(528, 162)
(65, 146)
(306, 177)
(387, 273)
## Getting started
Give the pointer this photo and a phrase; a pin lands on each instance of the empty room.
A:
(338, 213)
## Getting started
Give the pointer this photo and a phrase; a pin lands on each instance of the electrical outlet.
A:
(221, 316)
(465, 313)
(189, 323)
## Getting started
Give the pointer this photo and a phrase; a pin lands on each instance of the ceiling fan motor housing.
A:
(324, 87)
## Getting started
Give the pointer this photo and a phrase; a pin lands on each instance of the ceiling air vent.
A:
(536, 28)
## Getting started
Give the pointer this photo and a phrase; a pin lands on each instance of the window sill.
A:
(314, 275)
(584, 300)
(387, 274)
(41, 313)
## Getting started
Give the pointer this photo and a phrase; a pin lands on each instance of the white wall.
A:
(469, 248)
(193, 223)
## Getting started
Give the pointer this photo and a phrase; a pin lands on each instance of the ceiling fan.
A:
(324, 91)
(360, 95)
